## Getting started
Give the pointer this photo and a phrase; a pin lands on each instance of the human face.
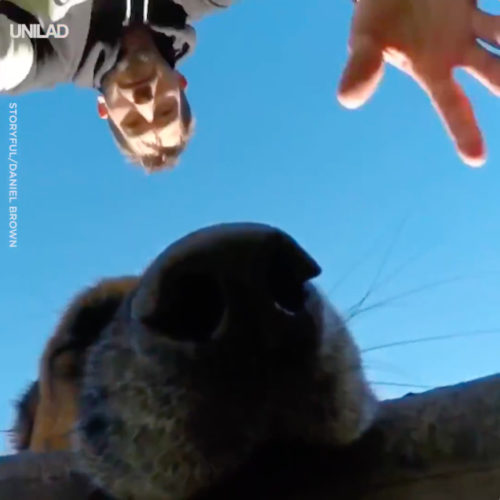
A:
(142, 96)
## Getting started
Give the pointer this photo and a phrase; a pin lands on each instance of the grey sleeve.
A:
(196, 9)
(48, 10)
(30, 63)
(16, 56)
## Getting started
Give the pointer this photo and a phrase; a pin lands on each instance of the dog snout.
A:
(190, 292)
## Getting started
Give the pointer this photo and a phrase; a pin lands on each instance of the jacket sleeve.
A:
(196, 9)
(25, 63)
(49, 10)
(16, 56)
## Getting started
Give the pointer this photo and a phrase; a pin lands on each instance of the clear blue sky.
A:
(272, 145)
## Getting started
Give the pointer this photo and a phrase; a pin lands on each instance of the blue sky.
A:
(379, 189)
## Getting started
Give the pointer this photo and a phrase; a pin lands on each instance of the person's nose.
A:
(142, 98)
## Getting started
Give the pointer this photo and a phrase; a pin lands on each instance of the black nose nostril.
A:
(288, 292)
(190, 308)
(289, 270)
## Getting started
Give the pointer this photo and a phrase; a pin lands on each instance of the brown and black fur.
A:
(47, 413)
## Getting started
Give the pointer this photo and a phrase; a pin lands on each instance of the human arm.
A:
(16, 55)
(53, 10)
(31, 63)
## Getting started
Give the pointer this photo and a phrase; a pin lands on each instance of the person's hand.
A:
(426, 39)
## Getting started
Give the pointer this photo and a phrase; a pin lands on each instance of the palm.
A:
(426, 39)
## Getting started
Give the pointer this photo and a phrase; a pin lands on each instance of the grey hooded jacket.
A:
(33, 57)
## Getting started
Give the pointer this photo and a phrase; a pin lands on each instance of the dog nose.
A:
(190, 288)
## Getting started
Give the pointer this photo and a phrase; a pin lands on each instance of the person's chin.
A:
(136, 34)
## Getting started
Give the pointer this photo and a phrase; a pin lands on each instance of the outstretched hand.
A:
(426, 39)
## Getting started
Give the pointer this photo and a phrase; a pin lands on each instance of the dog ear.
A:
(26, 408)
(47, 412)
(81, 326)
(79, 330)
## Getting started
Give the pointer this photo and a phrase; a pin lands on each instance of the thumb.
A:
(362, 74)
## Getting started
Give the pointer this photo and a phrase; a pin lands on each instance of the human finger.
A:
(362, 74)
(457, 114)
(486, 26)
(484, 66)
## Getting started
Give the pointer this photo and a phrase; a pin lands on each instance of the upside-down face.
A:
(222, 346)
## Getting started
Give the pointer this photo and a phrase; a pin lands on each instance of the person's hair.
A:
(164, 157)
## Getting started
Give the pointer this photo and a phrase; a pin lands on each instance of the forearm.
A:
(29, 62)
(49, 10)
(16, 55)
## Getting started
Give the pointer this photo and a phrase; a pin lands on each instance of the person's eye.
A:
(132, 124)
(164, 115)
(166, 111)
